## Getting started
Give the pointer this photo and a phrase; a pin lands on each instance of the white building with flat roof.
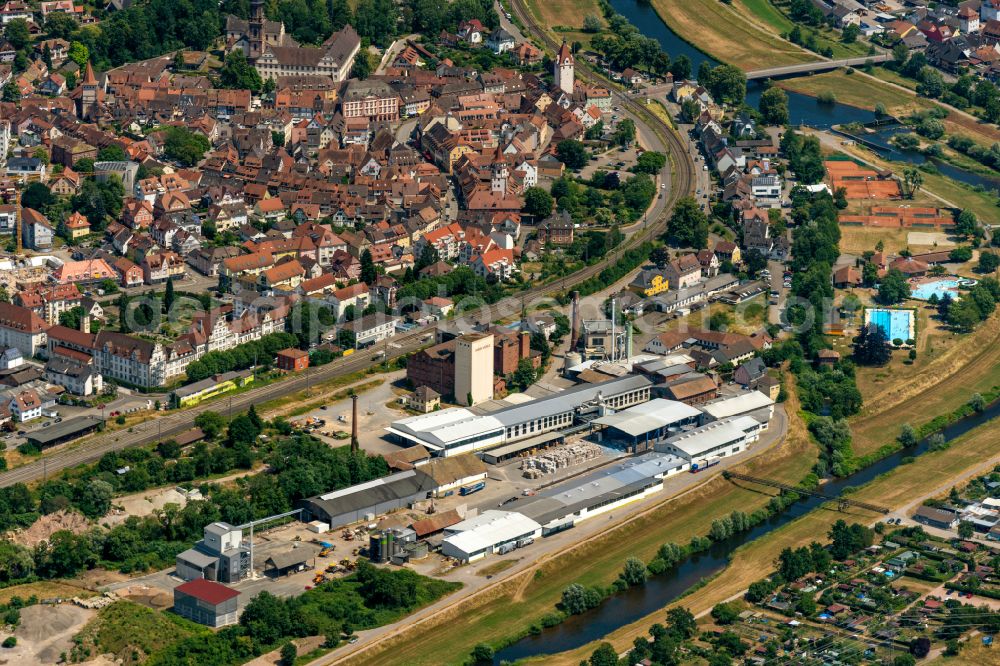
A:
(743, 404)
(641, 426)
(452, 431)
(489, 532)
(714, 440)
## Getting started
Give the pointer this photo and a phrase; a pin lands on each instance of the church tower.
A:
(499, 173)
(255, 30)
(562, 69)
(89, 94)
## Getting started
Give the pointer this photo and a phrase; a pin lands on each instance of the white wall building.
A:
(489, 532)
(474, 368)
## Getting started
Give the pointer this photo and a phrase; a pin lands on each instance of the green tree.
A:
(18, 34)
(112, 153)
(965, 529)
(363, 66)
(725, 613)
(634, 572)
(988, 262)
(288, 654)
(78, 53)
(871, 347)
(774, 106)
(907, 436)
(237, 73)
(727, 84)
(168, 295)
(11, 93)
(604, 655)
(482, 654)
(94, 499)
(894, 288)
(913, 180)
(210, 423)
(572, 153)
(369, 274)
(625, 133)
(184, 145)
(537, 202)
(688, 225)
(592, 23)
(650, 162)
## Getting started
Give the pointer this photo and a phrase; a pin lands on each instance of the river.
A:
(802, 109)
(658, 591)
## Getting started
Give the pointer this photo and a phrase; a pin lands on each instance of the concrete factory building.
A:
(569, 503)
(714, 440)
(489, 532)
(474, 368)
(206, 602)
(452, 431)
(639, 428)
(364, 501)
(219, 556)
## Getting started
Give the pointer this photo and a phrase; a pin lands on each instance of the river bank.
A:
(623, 608)
(974, 450)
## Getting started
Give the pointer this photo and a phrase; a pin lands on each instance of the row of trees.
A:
(240, 357)
(300, 466)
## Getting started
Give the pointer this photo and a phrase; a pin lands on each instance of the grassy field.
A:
(565, 17)
(45, 589)
(902, 486)
(764, 12)
(941, 383)
(856, 90)
(516, 603)
(725, 33)
(132, 632)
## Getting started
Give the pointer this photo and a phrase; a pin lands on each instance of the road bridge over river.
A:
(814, 67)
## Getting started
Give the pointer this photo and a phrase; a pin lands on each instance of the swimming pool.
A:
(925, 290)
(897, 324)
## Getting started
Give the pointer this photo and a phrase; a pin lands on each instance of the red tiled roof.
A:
(208, 591)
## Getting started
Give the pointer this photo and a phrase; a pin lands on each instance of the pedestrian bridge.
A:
(814, 67)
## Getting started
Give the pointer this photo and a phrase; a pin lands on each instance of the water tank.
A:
(378, 547)
(573, 359)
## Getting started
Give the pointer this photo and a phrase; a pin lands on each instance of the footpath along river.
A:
(658, 591)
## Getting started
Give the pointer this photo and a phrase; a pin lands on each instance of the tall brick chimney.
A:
(354, 424)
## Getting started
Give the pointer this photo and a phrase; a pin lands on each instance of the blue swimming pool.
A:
(897, 324)
(939, 287)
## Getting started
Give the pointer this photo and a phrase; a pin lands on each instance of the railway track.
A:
(682, 174)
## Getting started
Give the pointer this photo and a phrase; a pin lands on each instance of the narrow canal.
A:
(637, 602)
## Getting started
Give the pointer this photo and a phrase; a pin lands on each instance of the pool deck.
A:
(911, 321)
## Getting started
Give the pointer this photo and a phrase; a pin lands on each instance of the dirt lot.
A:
(47, 525)
(45, 633)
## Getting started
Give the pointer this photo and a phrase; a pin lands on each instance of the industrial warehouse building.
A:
(751, 403)
(367, 500)
(452, 431)
(639, 428)
(714, 440)
(489, 532)
(207, 602)
(564, 506)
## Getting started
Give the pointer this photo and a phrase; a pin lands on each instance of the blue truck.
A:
(471, 488)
